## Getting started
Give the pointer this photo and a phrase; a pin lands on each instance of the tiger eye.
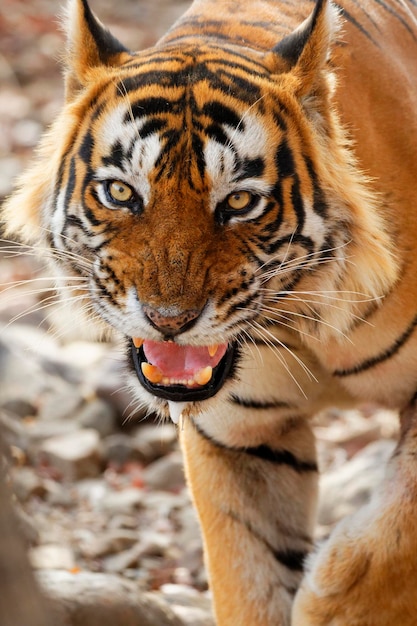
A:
(120, 192)
(239, 200)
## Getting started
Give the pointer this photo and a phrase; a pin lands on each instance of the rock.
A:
(109, 542)
(97, 414)
(19, 408)
(10, 167)
(152, 441)
(124, 501)
(26, 483)
(26, 133)
(14, 431)
(109, 383)
(119, 448)
(192, 607)
(191, 616)
(60, 404)
(166, 473)
(27, 527)
(350, 486)
(185, 595)
(123, 521)
(121, 561)
(37, 431)
(52, 556)
(96, 599)
(75, 455)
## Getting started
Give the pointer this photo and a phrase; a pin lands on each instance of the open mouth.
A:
(181, 373)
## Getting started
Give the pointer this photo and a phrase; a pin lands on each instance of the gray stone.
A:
(119, 448)
(124, 501)
(93, 599)
(126, 559)
(52, 556)
(342, 491)
(109, 542)
(75, 455)
(97, 414)
(152, 441)
(37, 431)
(193, 607)
(166, 473)
(26, 483)
(192, 616)
(109, 383)
(19, 407)
(60, 404)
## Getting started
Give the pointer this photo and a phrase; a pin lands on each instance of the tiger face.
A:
(191, 188)
(185, 190)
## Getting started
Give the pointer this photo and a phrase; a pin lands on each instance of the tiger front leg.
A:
(366, 574)
(256, 506)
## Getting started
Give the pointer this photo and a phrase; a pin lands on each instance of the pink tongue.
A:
(176, 361)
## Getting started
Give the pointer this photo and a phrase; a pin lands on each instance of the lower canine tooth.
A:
(151, 372)
(204, 375)
(137, 342)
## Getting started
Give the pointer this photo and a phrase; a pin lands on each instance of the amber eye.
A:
(239, 200)
(119, 191)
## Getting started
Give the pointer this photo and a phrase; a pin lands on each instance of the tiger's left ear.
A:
(305, 51)
(89, 46)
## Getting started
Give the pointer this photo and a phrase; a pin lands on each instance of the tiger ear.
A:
(89, 45)
(305, 51)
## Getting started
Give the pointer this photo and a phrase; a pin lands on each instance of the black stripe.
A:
(257, 404)
(69, 191)
(223, 114)
(319, 201)
(265, 453)
(280, 457)
(380, 358)
(413, 399)
(107, 44)
(357, 24)
(291, 559)
(393, 12)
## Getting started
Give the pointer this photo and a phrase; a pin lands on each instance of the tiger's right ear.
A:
(89, 46)
(305, 52)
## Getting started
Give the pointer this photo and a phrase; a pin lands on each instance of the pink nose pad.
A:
(171, 325)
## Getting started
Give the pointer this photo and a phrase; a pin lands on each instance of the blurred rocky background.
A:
(97, 487)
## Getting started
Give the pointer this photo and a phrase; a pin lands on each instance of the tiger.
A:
(238, 202)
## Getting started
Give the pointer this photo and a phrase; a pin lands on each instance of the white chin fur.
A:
(175, 410)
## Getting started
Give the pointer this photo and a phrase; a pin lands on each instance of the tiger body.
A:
(247, 188)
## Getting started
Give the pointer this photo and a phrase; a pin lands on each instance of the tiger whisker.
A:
(300, 261)
(19, 249)
(247, 339)
(302, 316)
(271, 341)
(325, 294)
(11, 285)
(296, 264)
(48, 302)
(288, 325)
(309, 302)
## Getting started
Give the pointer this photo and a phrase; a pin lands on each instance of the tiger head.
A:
(188, 190)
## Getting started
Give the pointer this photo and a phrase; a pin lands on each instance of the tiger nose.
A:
(171, 325)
